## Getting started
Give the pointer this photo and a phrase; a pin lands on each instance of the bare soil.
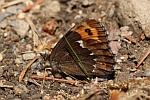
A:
(129, 83)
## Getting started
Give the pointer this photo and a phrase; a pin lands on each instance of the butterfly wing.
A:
(89, 40)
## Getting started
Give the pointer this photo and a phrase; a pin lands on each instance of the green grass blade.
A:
(79, 61)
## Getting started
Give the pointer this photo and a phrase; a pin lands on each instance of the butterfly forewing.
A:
(89, 41)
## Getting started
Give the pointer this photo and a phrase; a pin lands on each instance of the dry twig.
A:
(34, 31)
(11, 3)
(3, 85)
(25, 69)
(143, 58)
(130, 38)
(56, 79)
(33, 5)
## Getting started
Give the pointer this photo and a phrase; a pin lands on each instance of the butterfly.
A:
(83, 51)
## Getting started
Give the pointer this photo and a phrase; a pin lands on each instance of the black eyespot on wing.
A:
(88, 31)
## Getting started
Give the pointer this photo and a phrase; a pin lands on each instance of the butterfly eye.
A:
(88, 31)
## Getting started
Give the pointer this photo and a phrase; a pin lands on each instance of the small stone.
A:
(12, 9)
(17, 99)
(115, 46)
(19, 60)
(147, 72)
(132, 56)
(16, 73)
(116, 67)
(40, 73)
(20, 7)
(21, 15)
(118, 60)
(20, 89)
(112, 11)
(1, 57)
(53, 7)
(6, 34)
(87, 2)
(22, 41)
(68, 78)
(125, 31)
(114, 35)
(28, 56)
(46, 97)
(28, 47)
(122, 57)
(103, 13)
(36, 65)
(21, 27)
(3, 24)
(2, 2)
(1, 71)
(37, 7)
(4, 15)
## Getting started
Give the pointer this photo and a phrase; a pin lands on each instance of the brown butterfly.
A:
(84, 44)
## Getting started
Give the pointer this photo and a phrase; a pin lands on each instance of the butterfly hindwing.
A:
(89, 40)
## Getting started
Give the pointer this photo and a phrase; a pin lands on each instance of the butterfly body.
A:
(84, 44)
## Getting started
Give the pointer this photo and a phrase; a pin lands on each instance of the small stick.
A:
(3, 85)
(33, 5)
(130, 38)
(55, 79)
(143, 58)
(25, 69)
(11, 3)
(34, 31)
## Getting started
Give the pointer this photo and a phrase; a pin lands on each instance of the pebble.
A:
(2, 2)
(28, 47)
(28, 56)
(4, 15)
(112, 11)
(125, 31)
(1, 70)
(17, 99)
(3, 24)
(114, 35)
(1, 57)
(54, 7)
(20, 6)
(21, 27)
(103, 13)
(115, 46)
(87, 2)
(21, 15)
(19, 89)
(46, 97)
(40, 73)
(118, 60)
(22, 41)
(36, 65)
(147, 72)
(68, 78)
(12, 9)
(6, 34)
(117, 67)
(19, 60)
